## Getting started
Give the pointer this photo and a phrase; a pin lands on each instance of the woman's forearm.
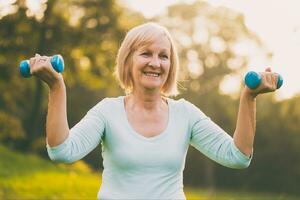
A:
(57, 127)
(246, 123)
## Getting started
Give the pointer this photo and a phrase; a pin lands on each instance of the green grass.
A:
(24, 176)
(30, 177)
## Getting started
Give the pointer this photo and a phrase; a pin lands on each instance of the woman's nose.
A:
(154, 62)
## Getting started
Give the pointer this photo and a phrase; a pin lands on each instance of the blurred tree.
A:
(276, 161)
(278, 143)
(11, 130)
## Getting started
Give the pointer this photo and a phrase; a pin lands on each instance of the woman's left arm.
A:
(246, 120)
(245, 128)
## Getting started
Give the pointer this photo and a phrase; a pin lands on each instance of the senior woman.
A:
(145, 134)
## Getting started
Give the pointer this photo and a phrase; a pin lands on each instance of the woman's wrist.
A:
(249, 94)
(57, 84)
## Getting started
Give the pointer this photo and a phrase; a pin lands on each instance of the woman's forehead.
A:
(161, 42)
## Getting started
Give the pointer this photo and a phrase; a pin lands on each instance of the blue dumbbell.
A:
(56, 61)
(253, 80)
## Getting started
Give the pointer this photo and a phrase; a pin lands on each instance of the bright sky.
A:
(277, 23)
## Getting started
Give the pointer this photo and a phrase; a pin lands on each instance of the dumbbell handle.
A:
(56, 61)
(253, 80)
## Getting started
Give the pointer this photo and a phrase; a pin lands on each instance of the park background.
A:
(216, 48)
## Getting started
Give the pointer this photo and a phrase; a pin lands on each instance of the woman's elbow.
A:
(242, 165)
(60, 156)
(59, 159)
(239, 163)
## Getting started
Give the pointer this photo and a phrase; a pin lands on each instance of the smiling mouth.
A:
(151, 74)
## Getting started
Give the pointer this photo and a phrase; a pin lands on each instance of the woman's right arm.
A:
(64, 144)
(57, 127)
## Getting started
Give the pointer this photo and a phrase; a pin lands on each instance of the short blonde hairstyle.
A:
(143, 35)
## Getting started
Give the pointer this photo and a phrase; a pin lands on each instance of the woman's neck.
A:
(147, 101)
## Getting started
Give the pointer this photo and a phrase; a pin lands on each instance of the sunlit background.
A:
(217, 41)
(277, 23)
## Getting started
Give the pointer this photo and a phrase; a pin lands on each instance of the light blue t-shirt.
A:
(137, 167)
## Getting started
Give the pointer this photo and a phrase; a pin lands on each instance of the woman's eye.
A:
(145, 54)
(164, 56)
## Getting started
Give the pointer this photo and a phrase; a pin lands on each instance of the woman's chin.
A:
(147, 85)
(152, 87)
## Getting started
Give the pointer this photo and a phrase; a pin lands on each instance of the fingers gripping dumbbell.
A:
(56, 61)
(253, 80)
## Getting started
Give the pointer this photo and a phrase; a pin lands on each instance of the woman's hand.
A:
(268, 84)
(40, 67)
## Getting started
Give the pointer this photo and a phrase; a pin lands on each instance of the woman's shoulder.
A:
(186, 107)
(109, 103)
(180, 103)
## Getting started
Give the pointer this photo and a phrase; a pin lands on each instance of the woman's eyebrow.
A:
(165, 51)
(145, 48)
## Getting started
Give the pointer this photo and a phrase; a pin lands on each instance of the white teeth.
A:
(151, 74)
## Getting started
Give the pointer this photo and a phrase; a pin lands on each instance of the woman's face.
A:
(151, 65)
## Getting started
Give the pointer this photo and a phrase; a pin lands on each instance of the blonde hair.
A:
(143, 35)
